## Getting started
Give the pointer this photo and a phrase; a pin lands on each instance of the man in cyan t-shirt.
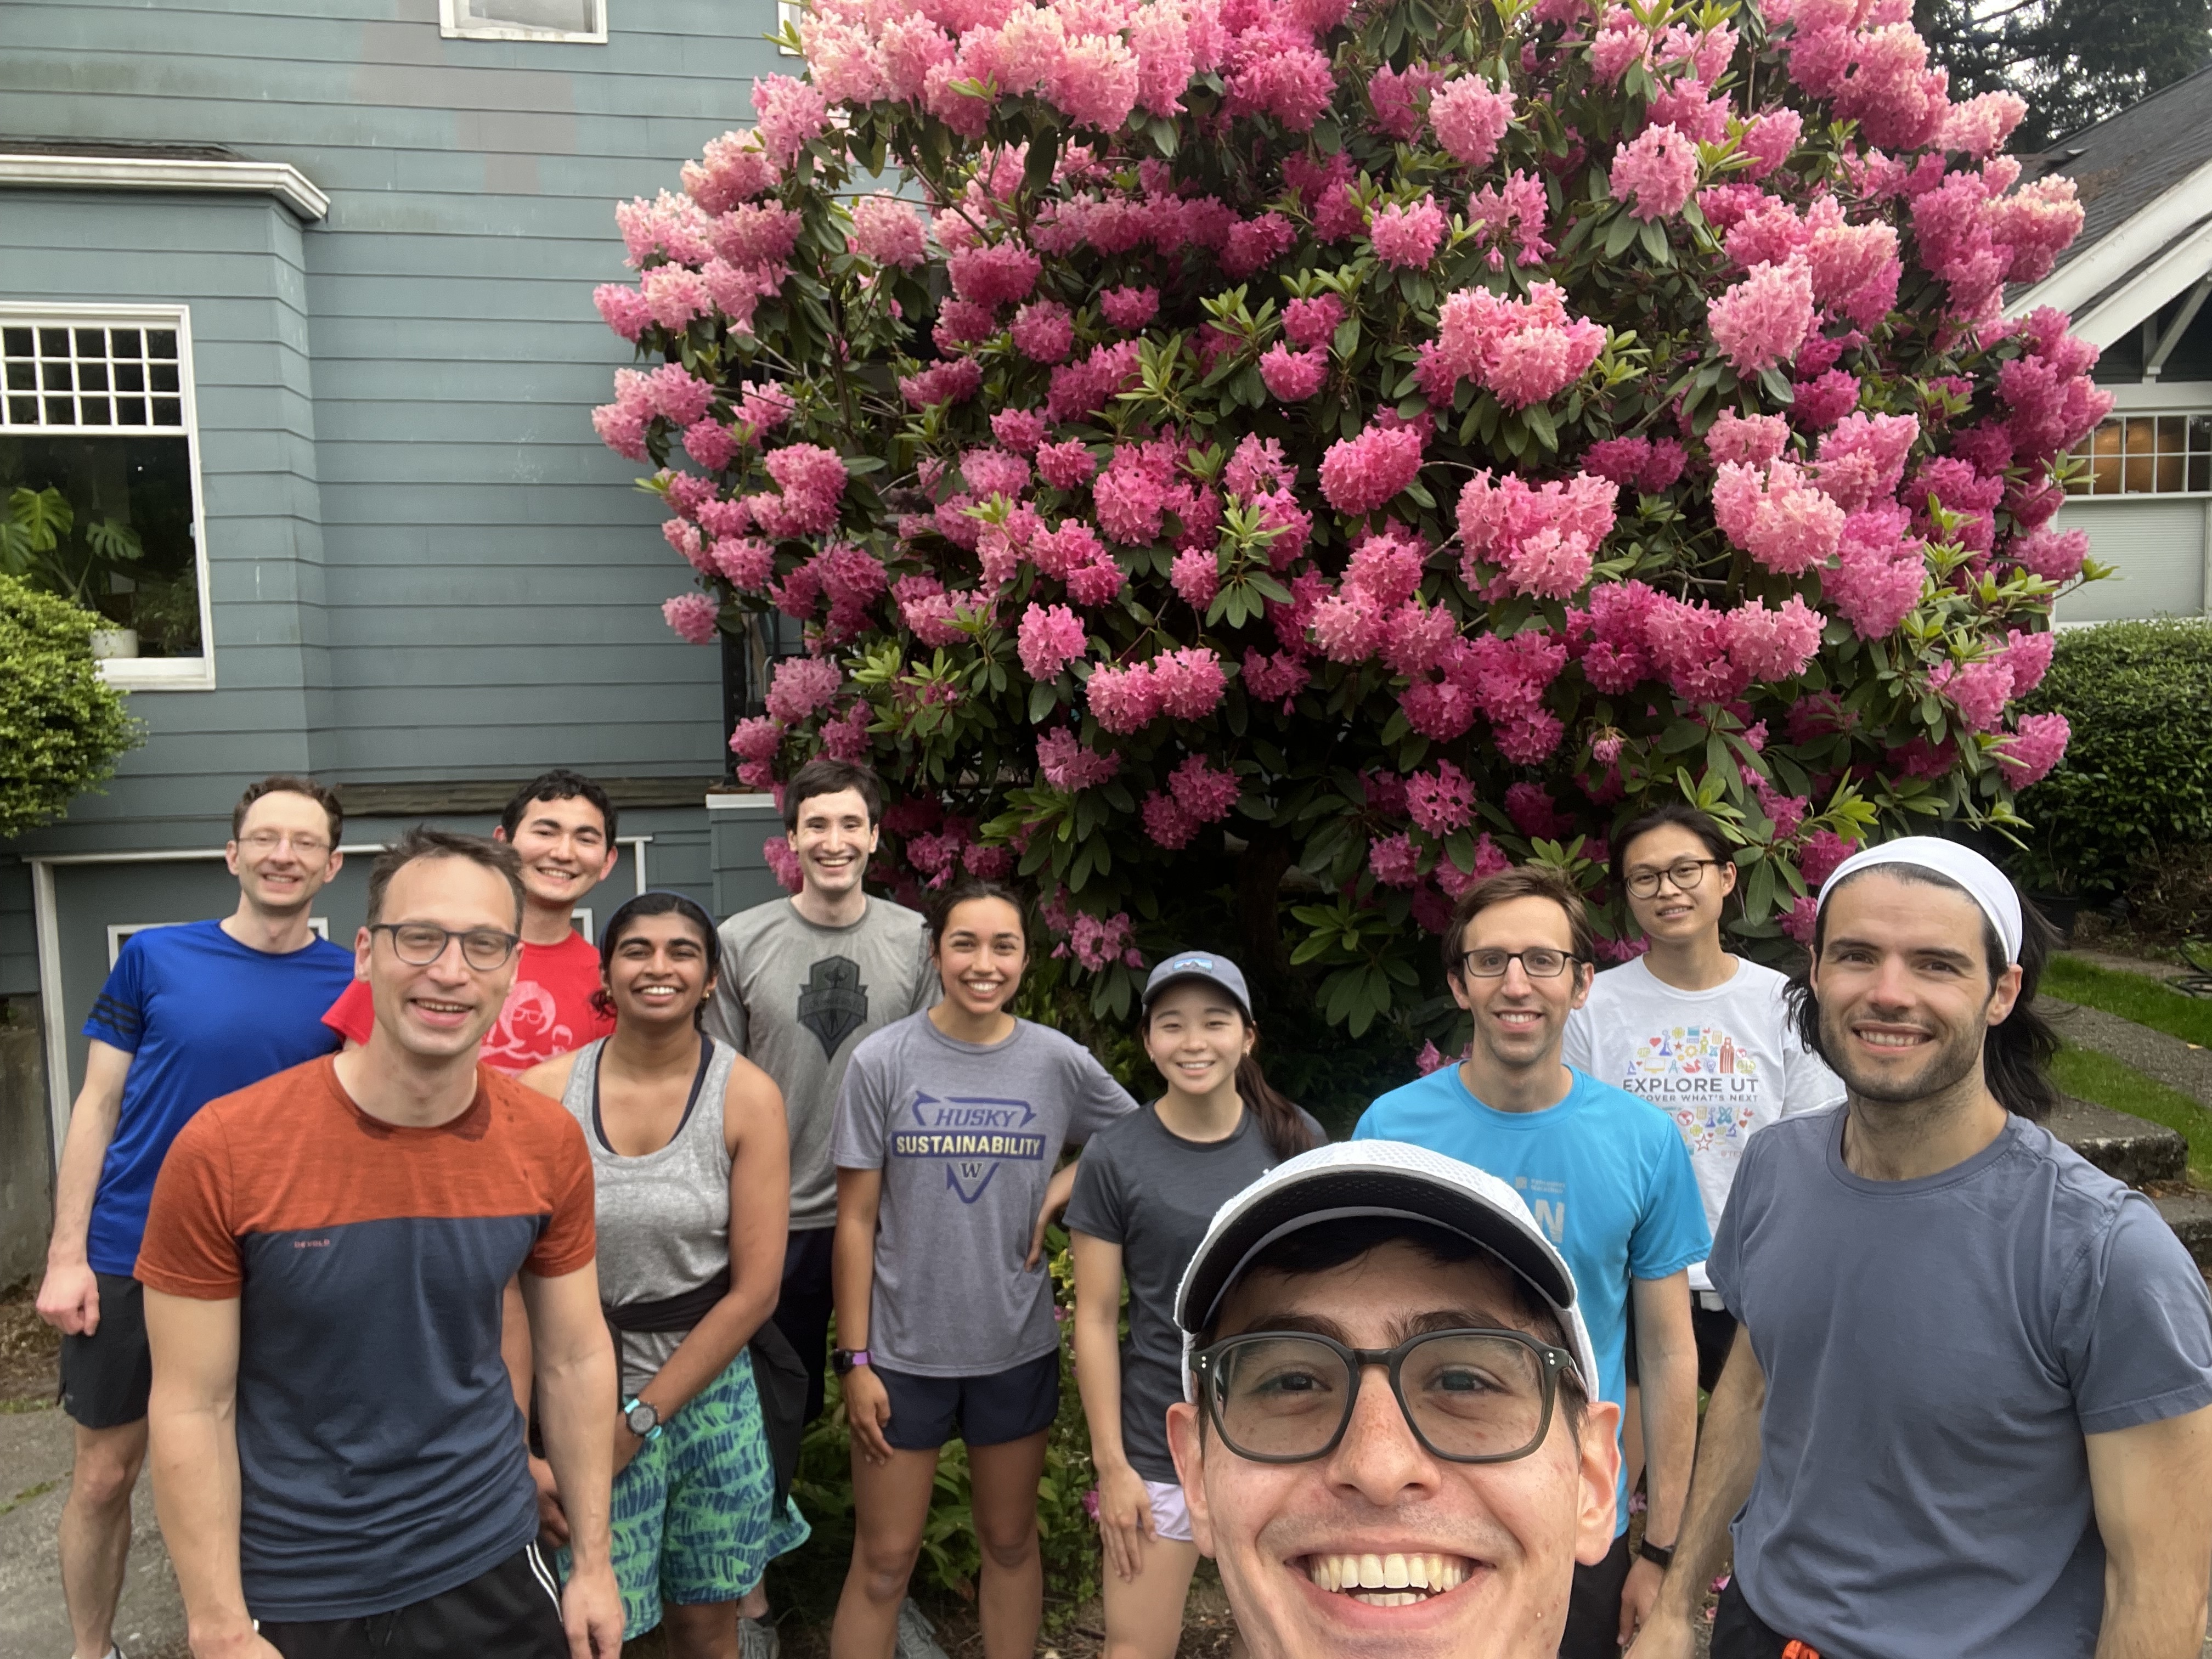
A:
(338, 1458)
(187, 1013)
(562, 826)
(1607, 1178)
(1969, 1414)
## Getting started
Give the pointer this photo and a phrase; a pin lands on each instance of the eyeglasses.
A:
(419, 943)
(1538, 961)
(1469, 1396)
(265, 842)
(1684, 873)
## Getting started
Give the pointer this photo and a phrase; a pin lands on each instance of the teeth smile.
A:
(1388, 1581)
(1892, 1039)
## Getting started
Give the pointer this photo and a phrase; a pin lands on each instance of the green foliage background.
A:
(61, 727)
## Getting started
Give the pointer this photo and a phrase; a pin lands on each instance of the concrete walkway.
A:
(2171, 1061)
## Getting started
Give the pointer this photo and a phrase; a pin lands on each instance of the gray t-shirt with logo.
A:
(1147, 1189)
(1935, 1351)
(796, 999)
(967, 1136)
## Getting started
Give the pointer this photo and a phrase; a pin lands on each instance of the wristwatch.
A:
(842, 1360)
(1658, 1554)
(642, 1418)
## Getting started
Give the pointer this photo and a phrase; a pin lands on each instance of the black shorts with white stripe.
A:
(512, 1612)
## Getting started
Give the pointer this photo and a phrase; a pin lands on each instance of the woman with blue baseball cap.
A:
(1145, 1189)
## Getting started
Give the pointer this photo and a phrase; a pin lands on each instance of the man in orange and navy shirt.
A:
(338, 1459)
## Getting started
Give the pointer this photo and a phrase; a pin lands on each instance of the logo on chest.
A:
(833, 1003)
(974, 1135)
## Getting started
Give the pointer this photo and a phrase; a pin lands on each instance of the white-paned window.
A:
(789, 14)
(99, 486)
(584, 22)
(2150, 453)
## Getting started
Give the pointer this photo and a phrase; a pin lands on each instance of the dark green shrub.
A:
(61, 725)
(2137, 781)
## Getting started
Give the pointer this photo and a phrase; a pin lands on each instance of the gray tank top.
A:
(663, 1218)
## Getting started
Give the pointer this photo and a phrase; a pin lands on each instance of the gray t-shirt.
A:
(796, 999)
(1151, 1192)
(1934, 1351)
(966, 1137)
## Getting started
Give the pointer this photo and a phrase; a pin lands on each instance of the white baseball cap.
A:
(1349, 1179)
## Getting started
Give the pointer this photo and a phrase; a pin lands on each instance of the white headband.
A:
(1987, 884)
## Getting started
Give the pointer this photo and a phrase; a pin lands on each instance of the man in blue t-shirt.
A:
(1607, 1178)
(188, 1013)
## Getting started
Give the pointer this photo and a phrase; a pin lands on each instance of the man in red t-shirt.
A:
(338, 1460)
(562, 827)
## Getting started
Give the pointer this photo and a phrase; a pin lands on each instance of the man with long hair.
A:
(1969, 1411)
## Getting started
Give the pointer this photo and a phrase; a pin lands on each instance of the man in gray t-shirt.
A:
(803, 980)
(1969, 1414)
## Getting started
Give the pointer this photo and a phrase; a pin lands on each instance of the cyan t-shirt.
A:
(1605, 1177)
(201, 1016)
(1935, 1351)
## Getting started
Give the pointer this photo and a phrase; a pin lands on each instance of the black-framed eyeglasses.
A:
(1684, 873)
(1538, 961)
(1476, 1395)
(419, 943)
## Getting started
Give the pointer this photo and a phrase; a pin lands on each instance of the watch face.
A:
(841, 1361)
(642, 1418)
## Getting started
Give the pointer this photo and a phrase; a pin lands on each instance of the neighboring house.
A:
(2135, 282)
(299, 298)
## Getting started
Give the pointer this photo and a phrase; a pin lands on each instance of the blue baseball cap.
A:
(1200, 964)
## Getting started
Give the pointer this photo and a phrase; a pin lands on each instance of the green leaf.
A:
(1654, 237)
(1618, 235)
(1043, 697)
(1539, 420)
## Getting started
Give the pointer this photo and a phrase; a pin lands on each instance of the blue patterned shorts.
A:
(692, 1521)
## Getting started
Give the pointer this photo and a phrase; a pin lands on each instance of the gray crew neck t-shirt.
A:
(1934, 1351)
(797, 999)
(1146, 1188)
(966, 1136)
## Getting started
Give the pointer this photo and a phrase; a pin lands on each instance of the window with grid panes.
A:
(580, 22)
(2147, 454)
(96, 469)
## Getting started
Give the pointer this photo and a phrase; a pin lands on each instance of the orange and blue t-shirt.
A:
(380, 1449)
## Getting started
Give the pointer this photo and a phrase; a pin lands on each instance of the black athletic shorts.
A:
(804, 1306)
(512, 1612)
(1739, 1633)
(107, 1376)
(983, 1411)
(1593, 1629)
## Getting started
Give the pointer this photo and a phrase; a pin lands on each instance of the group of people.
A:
(476, 1283)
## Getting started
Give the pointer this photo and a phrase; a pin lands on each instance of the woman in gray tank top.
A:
(691, 1165)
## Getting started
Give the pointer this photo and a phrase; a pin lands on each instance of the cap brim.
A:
(1327, 1195)
(1154, 993)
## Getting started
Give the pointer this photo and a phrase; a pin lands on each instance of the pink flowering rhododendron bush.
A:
(1295, 457)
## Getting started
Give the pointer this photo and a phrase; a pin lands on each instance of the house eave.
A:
(146, 172)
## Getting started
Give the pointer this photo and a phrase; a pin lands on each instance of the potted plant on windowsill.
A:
(43, 541)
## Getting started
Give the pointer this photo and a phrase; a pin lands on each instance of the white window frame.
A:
(2195, 408)
(788, 12)
(453, 24)
(144, 673)
(119, 930)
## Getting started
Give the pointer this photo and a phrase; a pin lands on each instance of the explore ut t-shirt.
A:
(1605, 1176)
(200, 1015)
(797, 999)
(1935, 1350)
(1723, 1062)
(1144, 1187)
(381, 1454)
(966, 1135)
(548, 1011)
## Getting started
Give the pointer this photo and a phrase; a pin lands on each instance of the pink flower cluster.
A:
(1184, 685)
(1359, 475)
(1049, 638)
(885, 230)
(801, 686)
(1469, 119)
(1655, 171)
(1441, 801)
(1881, 571)
(1198, 794)
(1702, 654)
(1525, 351)
(1778, 517)
(1409, 236)
(693, 615)
(2037, 745)
(1068, 766)
(1540, 541)
(1763, 319)
(1639, 464)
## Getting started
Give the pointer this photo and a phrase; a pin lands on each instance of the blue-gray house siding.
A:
(424, 569)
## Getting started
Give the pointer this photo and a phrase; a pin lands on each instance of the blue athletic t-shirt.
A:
(201, 1016)
(1607, 1178)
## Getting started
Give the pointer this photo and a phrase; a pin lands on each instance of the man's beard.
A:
(1955, 1058)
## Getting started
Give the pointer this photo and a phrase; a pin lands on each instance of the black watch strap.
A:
(1655, 1554)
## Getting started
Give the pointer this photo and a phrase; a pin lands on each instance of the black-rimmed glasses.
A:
(419, 943)
(1476, 1395)
(1684, 873)
(1538, 961)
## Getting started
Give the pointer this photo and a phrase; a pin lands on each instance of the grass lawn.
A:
(2131, 996)
(2093, 1076)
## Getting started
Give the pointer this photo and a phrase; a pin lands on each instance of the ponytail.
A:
(1282, 1125)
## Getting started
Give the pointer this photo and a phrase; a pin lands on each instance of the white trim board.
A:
(279, 178)
(2172, 274)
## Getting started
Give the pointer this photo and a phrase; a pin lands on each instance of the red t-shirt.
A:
(380, 1450)
(548, 1011)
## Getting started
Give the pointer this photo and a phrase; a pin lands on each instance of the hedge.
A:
(62, 725)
